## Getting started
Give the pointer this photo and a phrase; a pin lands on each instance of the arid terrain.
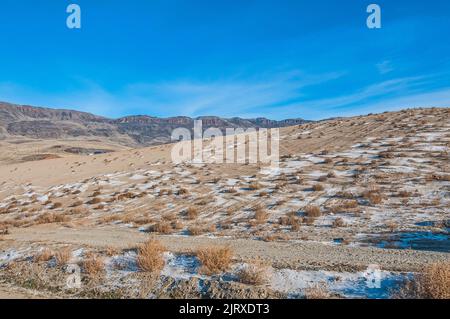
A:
(349, 194)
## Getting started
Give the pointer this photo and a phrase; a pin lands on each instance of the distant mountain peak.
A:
(44, 123)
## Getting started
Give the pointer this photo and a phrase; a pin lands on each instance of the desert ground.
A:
(349, 193)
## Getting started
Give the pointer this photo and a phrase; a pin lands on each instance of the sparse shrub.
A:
(404, 194)
(318, 187)
(313, 211)
(63, 256)
(177, 225)
(212, 228)
(350, 204)
(290, 220)
(195, 230)
(112, 251)
(392, 226)
(254, 186)
(346, 195)
(230, 190)
(260, 216)
(4, 230)
(126, 195)
(93, 265)
(192, 213)
(163, 192)
(295, 224)
(44, 255)
(214, 260)
(432, 283)
(338, 222)
(386, 154)
(373, 196)
(169, 217)
(161, 227)
(150, 256)
(331, 175)
(254, 273)
(49, 218)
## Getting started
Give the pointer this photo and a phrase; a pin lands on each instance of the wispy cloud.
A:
(275, 95)
(229, 97)
(385, 67)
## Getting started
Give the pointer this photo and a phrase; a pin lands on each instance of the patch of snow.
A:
(351, 285)
(180, 266)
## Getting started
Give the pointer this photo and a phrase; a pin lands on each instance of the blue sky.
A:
(250, 58)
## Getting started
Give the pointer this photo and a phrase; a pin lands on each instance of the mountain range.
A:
(137, 130)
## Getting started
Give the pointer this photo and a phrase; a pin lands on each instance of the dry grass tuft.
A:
(63, 256)
(392, 226)
(338, 222)
(254, 273)
(254, 186)
(318, 187)
(260, 216)
(313, 211)
(112, 251)
(49, 218)
(150, 256)
(196, 230)
(373, 196)
(162, 227)
(192, 213)
(4, 230)
(176, 225)
(183, 191)
(214, 260)
(93, 265)
(44, 255)
(432, 283)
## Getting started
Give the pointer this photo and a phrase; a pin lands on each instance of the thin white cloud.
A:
(385, 67)
(191, 98)
(276, 96)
